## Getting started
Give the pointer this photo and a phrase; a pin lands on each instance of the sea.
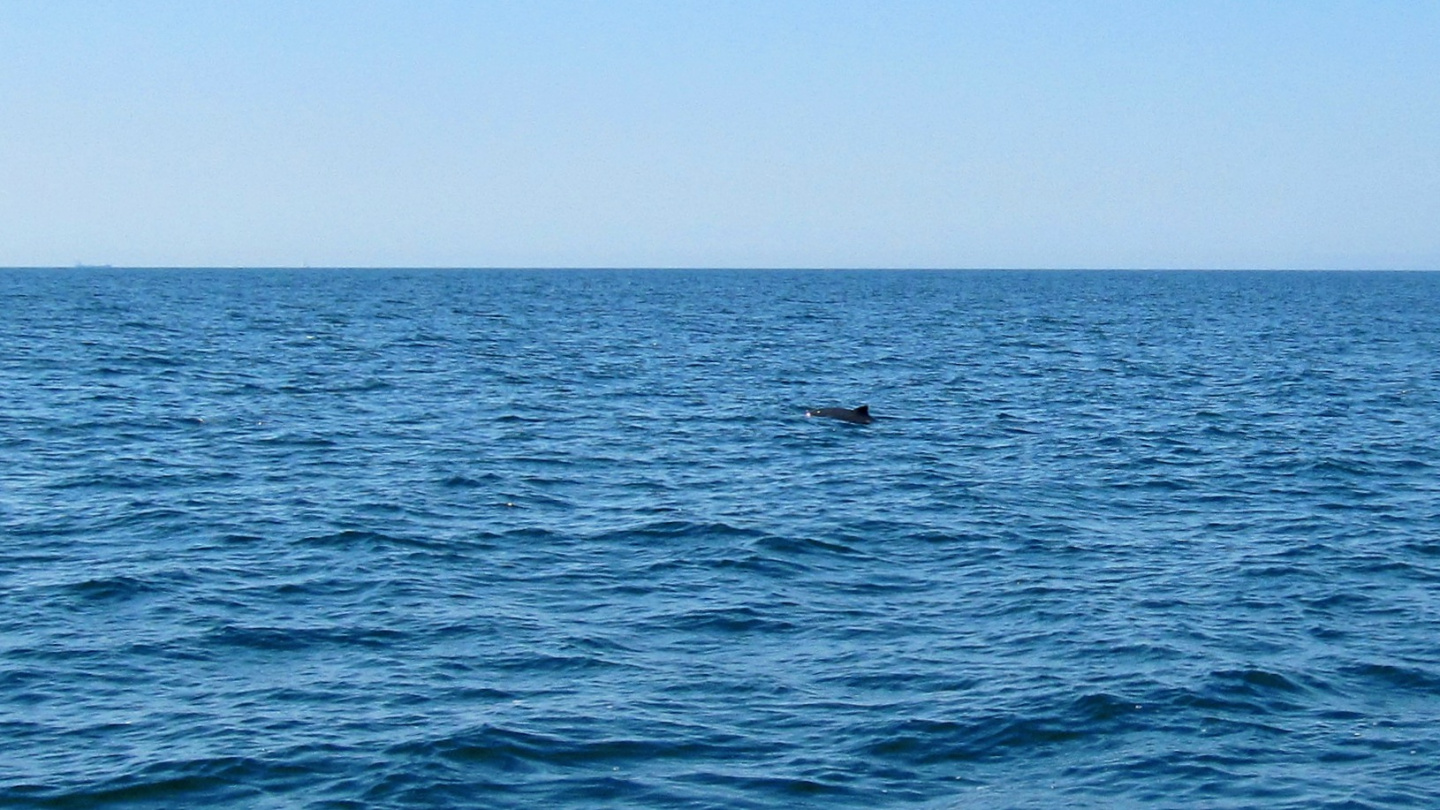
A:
(568, 539)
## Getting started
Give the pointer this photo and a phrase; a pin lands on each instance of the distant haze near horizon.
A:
(1218, 135)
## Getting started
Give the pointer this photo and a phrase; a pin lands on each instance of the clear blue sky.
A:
(729, 133)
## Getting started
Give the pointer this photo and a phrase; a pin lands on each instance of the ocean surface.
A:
(567, 539)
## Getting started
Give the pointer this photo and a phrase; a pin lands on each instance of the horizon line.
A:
(721, 268)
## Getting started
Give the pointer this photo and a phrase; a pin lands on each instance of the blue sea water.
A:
(416, 539)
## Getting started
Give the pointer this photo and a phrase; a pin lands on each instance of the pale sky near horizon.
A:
(1280, 134)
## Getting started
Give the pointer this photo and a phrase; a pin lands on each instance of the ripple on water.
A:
(410, 539)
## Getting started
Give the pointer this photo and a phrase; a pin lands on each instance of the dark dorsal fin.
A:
(863, 410)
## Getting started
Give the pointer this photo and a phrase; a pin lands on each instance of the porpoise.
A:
(859, 416)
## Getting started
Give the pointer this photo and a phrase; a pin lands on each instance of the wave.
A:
(1411, 679)
(363, 538)
(119, 588)
(467, 482)
(214, 781)
(292, 639)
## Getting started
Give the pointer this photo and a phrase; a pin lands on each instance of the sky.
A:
(721, 133)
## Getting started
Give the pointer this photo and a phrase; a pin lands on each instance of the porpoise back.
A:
(858, 416)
